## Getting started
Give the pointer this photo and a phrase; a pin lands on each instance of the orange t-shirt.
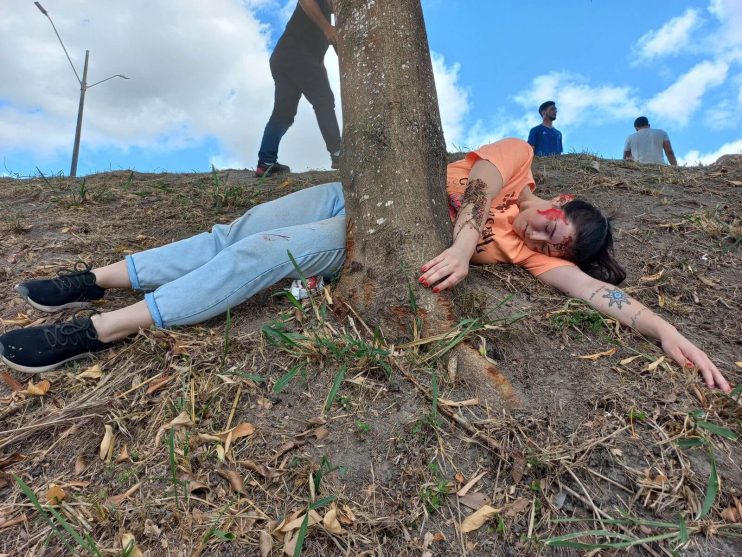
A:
(499, 243)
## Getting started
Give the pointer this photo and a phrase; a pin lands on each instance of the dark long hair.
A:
(593, 248)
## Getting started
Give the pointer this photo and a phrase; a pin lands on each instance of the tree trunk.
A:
(393, 164)
(394, 179)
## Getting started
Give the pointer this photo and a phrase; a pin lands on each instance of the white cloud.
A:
(695, 157)
(729, 14)
(681, 99)
(671, 38)
(453, 100)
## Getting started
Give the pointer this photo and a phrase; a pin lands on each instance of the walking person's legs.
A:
(285, 104)
(313, 82)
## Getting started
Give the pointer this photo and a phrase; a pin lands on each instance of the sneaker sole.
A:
(26, 369)
(23, 292)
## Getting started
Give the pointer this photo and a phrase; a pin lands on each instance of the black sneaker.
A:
(37, 349)
(270, 169)
(69, 290)
(335, 162)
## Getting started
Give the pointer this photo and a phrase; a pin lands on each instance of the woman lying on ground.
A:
(564, 242)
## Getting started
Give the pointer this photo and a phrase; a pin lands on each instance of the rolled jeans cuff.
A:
(132, 270)
(154, 311)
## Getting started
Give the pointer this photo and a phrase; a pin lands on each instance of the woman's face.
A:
(545, 230)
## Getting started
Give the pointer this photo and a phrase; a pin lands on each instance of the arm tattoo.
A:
(476, 196)
(636, 316)
(616, 296)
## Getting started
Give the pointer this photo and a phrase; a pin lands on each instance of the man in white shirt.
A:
(646, 145)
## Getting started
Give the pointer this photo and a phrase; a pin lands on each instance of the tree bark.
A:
(394, 177)
(393, 164)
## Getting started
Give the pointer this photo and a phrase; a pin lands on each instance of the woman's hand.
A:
(447, 270)
(687, 354)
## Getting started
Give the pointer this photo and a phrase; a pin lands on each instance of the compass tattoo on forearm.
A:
(616, 296)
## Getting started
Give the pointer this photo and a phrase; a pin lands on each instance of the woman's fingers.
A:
(710, 373)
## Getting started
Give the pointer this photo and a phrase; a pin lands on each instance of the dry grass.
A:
(380, 439)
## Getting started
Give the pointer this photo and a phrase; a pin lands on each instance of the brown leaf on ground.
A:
(234, 479)
(474, 501)
(116, 500)
(330, 521)
(519, 468)
(345, 514)
(158, 384)
(123, 455)
(12, 459)
(314, 518)
(516, 507)
(257, 468)
(21, 320)
(39, 389)
(80, 465)
(477, 519)
(182, 420)
(129, 545)
(597, 355)
(464, 490)
(10, 381)
(106, 444)
(55, 494)
(93, 372)
(266, 543)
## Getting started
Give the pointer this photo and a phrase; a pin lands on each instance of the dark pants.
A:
(296, 75)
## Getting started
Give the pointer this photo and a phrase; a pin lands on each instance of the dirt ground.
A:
(216, 439)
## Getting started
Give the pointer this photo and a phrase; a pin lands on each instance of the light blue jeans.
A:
(200, 277)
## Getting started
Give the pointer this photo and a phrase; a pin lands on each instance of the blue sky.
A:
(200, 90)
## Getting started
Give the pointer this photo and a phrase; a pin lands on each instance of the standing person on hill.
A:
(646, 145)
(545, 138)
(297, 67)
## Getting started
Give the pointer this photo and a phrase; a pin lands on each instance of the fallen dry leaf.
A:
(314, 518)
(182, 420)
(477, 519)
(40, 389)
(10, 381)
(123, 455)
(330, 521)
(735, 182)
(257, 468)
(345, 515)
(158, 384)
(54, 495)
(458, 404)
(12, 459)
(80, 465)
(655, 364)
(106, 444)
(21, 320)
(234, 479)
(597, 355)
(93, 372)
(289, 544)
(116, 500)
(129, 545)
(516, 507)
(266, 543)
(242, 430)
(464, 490)
(474, 501)
(738, 364)
(321, 433)
(628, 360)
(650, 278)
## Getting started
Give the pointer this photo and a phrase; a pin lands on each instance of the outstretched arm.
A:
(615, 303)
(312, 10)
(452, 265)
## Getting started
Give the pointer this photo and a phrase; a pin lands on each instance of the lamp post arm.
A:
(103, 80)
(60, 42)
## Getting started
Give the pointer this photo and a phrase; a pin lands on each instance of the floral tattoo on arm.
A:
(475, 195)
(616, 296)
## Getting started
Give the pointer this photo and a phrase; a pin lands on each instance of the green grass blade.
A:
(28, 492)
(434, 384)
(72, 532)
(712, 488)
(337, 382)
(683, 531)
(286, 378)
(716, 429)
(690, 442)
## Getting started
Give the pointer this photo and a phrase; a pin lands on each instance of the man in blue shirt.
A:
(545, 138)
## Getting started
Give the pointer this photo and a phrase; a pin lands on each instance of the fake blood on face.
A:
(553, 214)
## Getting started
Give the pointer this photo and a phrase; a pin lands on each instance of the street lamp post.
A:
(83, 88)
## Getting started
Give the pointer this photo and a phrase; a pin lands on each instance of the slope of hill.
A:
(391, 444)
